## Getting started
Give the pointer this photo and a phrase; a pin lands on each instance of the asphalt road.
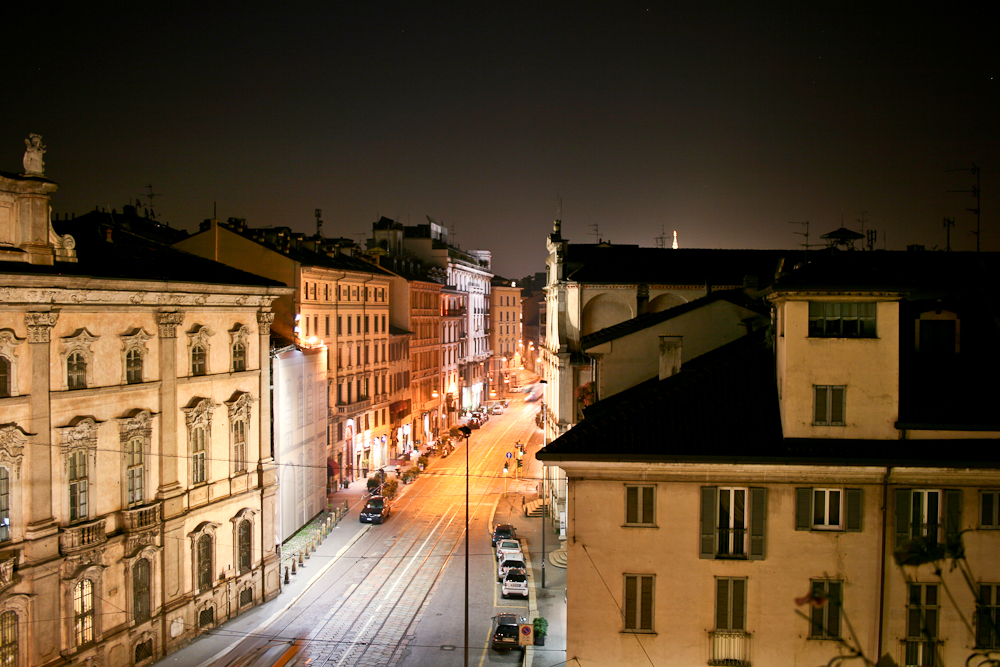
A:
(396, 597)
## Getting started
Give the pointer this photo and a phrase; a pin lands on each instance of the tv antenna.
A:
(975, 193)
(596, 232)
(805, 245)
(150, 195)
(661, 240)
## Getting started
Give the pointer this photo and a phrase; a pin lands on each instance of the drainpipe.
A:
(881, 584)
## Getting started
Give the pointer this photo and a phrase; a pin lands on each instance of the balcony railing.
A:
(82, 536)
(920, 652)
(729, 647)
(732, 543)
(138, 519)
(352, 408)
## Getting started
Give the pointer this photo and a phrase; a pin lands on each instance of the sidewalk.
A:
(548, 602)
(212, 645)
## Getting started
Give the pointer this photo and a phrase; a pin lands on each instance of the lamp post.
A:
(545, 423)
(466, 432)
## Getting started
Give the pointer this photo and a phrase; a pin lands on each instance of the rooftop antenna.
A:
(596, 232)
(805, 245)
(661, 240)
(149, 195)
(975, 193)
(319, 222)
(870, 237)
(948, 224)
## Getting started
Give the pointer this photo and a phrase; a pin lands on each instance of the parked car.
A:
(376, 510)
(504, 632)
(497, 409)
(503, 531)
(515, 582)
(508, 547)
(510, 561)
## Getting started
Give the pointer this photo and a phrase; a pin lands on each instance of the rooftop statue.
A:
(33, 164)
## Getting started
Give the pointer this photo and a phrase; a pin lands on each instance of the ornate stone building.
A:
(136, 481)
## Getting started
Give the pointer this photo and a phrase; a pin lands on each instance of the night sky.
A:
(721, 121)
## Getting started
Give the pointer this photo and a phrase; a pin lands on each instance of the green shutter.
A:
(803, 509)
(739, 604)
(820, 415)
(952, 514)
(709, 503)
(902, 516)
(722, 604)
(647, 504)
(758, 517)
(854, 510)
(631, 504)
(630, 600)
(646, 601)
(833, 609)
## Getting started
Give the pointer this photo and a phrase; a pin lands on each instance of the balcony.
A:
(732, 543)
(140, 518)
(354, 408)
(730, 648)
(82, 536)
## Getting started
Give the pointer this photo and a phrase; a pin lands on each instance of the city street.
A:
(395, 596)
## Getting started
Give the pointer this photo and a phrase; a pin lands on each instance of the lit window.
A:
(76, 371)
(78, 485)
(198, 455)
(134, 471)
(83, 612)
(239, 357)
(199, 362)
(133, 366)
(841, 320)
(245, 546)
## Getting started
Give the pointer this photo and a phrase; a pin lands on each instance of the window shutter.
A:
(631, 504)
(819, 410)
(758, 516)
(952, 514)
(647, 504)
(833, 608)
(646, 601)
(630, 600)
(739, 604)
(902, 516)
(709, 502)
(854, 510)
(722, 604)
(803, 509)
(837, 395)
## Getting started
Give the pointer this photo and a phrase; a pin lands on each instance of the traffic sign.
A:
(526, 634)
(509, 455)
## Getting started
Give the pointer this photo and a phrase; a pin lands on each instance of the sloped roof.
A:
(630, 264)
(129, 256)
(615, 331)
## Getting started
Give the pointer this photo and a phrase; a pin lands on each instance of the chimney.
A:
(642, 299)
(670, 355)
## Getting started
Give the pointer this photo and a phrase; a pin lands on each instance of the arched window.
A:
(76, 371)
(245, 544)
(8, 639)
(4, 508)
(5, 377)
(140, 590)
(239, 357)
(83, 612)
(78, 485)
(204, 562)
(135, 469)
(199, 361)
(133, 366)
(198, 455)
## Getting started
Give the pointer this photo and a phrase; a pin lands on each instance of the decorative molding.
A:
(79, 342)
(139, 423)
(134, 340)
(239, 407)
(125, 297)
(81, 433)
(199, 413)
(200, 334)
(168, 323)
(240, 333)
(8, 349)
(39, 325)
(12, 441)
(264, 320)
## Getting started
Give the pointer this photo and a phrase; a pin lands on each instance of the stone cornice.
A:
(138, 296)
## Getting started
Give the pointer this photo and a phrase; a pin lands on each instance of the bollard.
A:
(293, 565)
(312, 545)
(301, 554)
(287, 579)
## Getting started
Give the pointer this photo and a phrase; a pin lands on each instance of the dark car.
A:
(376, 510)
(504, 635)
(504, 531)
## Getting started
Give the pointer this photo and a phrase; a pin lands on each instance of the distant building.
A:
(137, 485)
(825, 486)
(505, 336)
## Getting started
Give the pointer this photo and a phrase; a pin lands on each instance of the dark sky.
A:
(721, 121)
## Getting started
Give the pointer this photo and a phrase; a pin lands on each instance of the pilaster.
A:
(169, 449)
(41, 523)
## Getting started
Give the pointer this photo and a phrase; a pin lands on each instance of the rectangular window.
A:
(733, 522)
(383, 323)
(841, 320)
(640, 502)
(826, 604)
(989, 509)
(367, 320)
(4, 506)
(639, 602)
(348, 325)
(829, 402)
(731, 604)
(359, 324)
(78, 486)
(828, 509)
(326, 325)
(988, 617)
(921, 625)
(931, 515)
(340, 325)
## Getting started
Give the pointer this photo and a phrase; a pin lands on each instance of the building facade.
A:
(505, 336)
(137, 485)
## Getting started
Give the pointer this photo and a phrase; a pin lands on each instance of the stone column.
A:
(264, 362)
(170, 445)
(40, 520)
